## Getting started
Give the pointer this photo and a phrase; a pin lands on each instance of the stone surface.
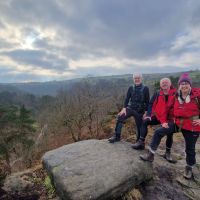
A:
(191, 188)
(168, 181)
(17, 183)
(96, 169)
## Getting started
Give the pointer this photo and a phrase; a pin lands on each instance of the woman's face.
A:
(185, 87)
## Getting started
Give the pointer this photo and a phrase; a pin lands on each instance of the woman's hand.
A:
(196, 122)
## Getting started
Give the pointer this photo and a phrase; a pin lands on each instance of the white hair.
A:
(137, 75)
(165, 79)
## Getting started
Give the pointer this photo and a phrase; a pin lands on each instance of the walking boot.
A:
(188, 172)
(167, 156)
(114, 138)
(149, 156)
(139, 145)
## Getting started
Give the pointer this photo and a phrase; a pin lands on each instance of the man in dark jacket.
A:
(135, 104)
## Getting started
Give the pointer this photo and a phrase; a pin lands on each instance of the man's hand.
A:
(145, 114)
(122, 112)
(196, 122)
(146, 117)
(165, 125)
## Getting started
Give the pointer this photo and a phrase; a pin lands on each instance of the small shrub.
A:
(49, 187)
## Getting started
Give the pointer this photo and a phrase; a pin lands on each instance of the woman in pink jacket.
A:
(186, 113)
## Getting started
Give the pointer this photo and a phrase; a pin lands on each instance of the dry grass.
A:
(134, 194)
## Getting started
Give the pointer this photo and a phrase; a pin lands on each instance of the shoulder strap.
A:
(142, 89)
(197, 102)
(157, 95)
(133, 87)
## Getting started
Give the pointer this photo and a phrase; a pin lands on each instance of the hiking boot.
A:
(196, 173)
(139, 145)
(113, 139)
(149, 156)
(167, 156)
(188, 172)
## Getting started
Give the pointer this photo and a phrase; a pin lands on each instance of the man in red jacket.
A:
(158, 106)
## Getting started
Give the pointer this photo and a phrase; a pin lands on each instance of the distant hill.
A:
(39, 88)
(8, 88)
(52, 87)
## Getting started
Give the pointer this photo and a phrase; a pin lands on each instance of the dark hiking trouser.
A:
(190, 142)
(144, 126)
(160, 133)
(121, 119)
(154, 121)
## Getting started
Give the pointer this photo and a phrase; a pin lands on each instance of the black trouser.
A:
(121, 119)
(160, 133)
(190, 142)
(144, 127)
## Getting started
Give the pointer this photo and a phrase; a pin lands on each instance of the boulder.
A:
(18, 184)
(96, 169)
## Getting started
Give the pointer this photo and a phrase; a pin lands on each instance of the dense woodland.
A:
(32, 124)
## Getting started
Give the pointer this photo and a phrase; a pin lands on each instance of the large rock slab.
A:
(96, 169)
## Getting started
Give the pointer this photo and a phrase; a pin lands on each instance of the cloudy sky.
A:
(44, 40)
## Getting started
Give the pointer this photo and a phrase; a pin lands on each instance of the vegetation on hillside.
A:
(85, 109)
(16, 126)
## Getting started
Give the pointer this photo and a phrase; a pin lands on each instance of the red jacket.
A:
(164, 110)
(185, 113)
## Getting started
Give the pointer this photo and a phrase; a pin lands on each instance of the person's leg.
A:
(119, 124)
(138, 121)
(158, 135)
(144, 127)
(169, 142)
(143, 132)
(190, 142)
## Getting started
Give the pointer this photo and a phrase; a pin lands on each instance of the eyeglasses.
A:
(184, 83)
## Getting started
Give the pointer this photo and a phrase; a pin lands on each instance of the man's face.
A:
(165, 85)
(137, 80)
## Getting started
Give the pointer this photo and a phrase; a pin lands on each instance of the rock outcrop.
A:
(96, 169)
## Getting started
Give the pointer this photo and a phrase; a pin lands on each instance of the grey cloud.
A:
(13, 78)
(37, 58)
(4, 69)
(123, 29)
(136, 29)
(42, 44)
(5, 44)
(133, 29)
(1, 25)
(130, 28)
(195, 14)
(27, 12)
(9, 75)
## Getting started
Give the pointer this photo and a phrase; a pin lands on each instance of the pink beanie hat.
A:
(185, 78)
